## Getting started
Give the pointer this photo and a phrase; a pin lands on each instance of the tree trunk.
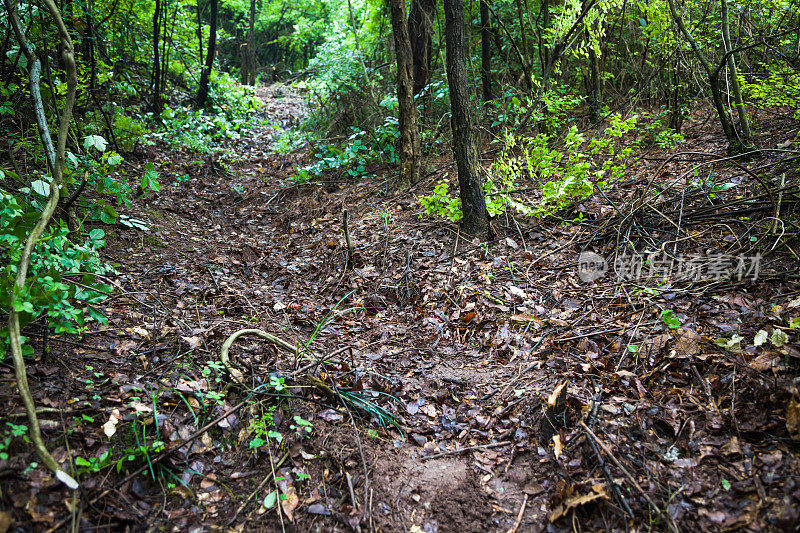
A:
(251, 44)
(420, 31)
(202, 91)
(408, 148)
(486, 52)
(470, 176)
(595, 82)
(735, 143)
(734, 74)
(157, 104)
(243, 61)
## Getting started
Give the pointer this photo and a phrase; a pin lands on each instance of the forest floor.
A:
(462, 345)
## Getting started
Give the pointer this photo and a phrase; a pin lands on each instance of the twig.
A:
(628, 475)
(261, 485)
(349, 264)
(518, 521)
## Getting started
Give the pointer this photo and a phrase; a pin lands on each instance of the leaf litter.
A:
(448, 386)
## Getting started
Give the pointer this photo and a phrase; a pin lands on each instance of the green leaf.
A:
(779, 338)
(41, 187)
(669, 319)
(114, 159)
(760, 338)
(270, 500)
(150, 179)
(96, 141)
(97, 234)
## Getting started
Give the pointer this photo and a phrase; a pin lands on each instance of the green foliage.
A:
(55, 262)
(669, 319)
(779, 88)
(442, 204)
(363, 148)
(562, 175)
(656, 132)
(226, 117)
(92, 465)
(7, 436)
(262, 429)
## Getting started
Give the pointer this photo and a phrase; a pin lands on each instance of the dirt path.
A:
(461, 343)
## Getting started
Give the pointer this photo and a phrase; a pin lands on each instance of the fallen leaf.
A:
(597, 493)
(5, 521)
(793, 418)
(558, 446)
(778, 338)
(193, 342)
(110, 427)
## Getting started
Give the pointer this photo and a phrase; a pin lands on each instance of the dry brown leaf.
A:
(558, 446)
(5, 521)
(688, 342)
(766, 361)
(110, 427)
(598, 492)
(793, 418)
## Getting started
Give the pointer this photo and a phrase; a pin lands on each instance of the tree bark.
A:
(486, 51)
(470, 175)
(595, 81)
(408, 148)
(202, 91)
(251, 44)
(735, 142)
(420, 31)
(157, 103)
(734, 74)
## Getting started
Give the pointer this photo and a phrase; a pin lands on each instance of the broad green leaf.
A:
(150, 178)
(41, 187)
(95, 141)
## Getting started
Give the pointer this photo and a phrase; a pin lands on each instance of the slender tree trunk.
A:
(202, 91)
(595, 81)
(420, 31)
(244, 59)
(470, 175)
(408, 148)
(526, 66)
(157, 103)
(251, 44)
(734, 74)
(735, 143)
(200, 31)
(486, 51)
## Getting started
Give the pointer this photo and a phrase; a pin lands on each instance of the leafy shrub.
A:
(226, 117)
(363, 148)
(562, 176)
(55, 261)
(657, 133)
